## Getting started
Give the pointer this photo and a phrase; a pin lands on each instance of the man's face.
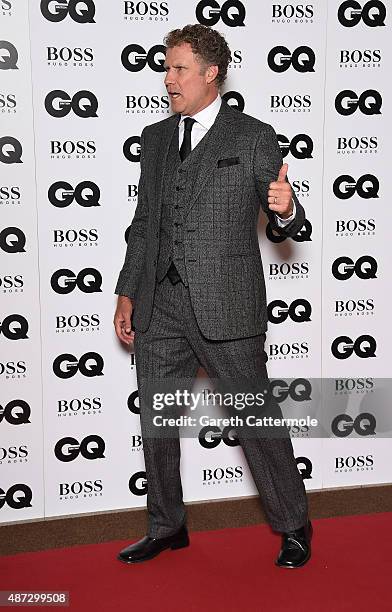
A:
(187, 82)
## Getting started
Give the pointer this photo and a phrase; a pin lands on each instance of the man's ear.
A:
(212, 73)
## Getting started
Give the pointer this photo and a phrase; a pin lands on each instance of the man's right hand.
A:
(122, 319)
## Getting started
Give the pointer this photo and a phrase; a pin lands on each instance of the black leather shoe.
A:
(296, 548)
(148, 548)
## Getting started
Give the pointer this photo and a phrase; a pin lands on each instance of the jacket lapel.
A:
(162, 154)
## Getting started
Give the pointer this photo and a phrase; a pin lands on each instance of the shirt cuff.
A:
(283, 222)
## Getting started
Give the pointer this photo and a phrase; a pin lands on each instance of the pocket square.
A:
(229, 161)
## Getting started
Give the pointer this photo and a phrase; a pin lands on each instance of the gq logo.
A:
(14, 327)
(364, 425)
(88, 280)
(81, 11)
(299, 390)
(84, 104)
(300, 146)
(138, 483)
(305, 467)
(302, 59)
(303, 235)
(131, 149)
(134, 406)
(364, 346)
(91, 447)
(61, 194)
(210, 436)
(16, 412)
(134, 58)
(299, 311)
(345, 186)
(369, 102)
(344, 267)
(10, 150)
(17, 497)
(372, 13)
(234, 99)
(89, 365)
(12, 240)
(8, 56)
(232, 13)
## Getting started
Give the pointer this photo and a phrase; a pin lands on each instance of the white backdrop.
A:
(74, 96)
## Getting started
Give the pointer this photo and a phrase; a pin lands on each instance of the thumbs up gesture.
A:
(280, 194)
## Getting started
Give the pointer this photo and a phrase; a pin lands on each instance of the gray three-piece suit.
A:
(202, 214)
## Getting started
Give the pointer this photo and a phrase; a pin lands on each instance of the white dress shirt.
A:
(204, 120)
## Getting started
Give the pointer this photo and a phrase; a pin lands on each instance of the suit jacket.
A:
(222, 255)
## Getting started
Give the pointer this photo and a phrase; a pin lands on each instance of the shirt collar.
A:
(207, 116)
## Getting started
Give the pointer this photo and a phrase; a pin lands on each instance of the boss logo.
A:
(228, 473)
(13, 369)
(345, 186)
(66, 54)
(364, 346)
(7, 102)
(211, 436)
(14, 327)
(369, 102)
(303, 235)
(348, 227)
(91, 447)
(294, 269)
(234, 99)
(8, 55)
(364, 425)
(17, 497)
(356, 56)
(88, 280)
(74, 489)
(12, 240)
(143, 103)
(302, 59)
(360, 462)
(372, 13)
(305, 467)
(290, 11)
(138, 483)
(80, 11)
(61, 194)
(131, 149)
(350, 306)
(294, 349)
(9, 193)
(76, 405)
(300, 146)
(136, 442)
(70, 237)
(12, 283)
(132, 192)
(10, 150)
(287, 102)
(365, 143)
(80, 149)
(67, 365)
(357, 385)
(299, 390)
(143, 9)
(299, 311)
(134, 58)
(16, 412)
(344, 267)
(84, 104)
(74, 322)
(232, 13)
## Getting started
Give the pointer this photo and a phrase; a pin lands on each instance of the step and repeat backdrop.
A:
(78, 82)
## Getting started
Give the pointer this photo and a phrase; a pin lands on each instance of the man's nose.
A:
(169, 80)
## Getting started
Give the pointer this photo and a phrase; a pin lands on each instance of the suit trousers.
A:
(171, 351)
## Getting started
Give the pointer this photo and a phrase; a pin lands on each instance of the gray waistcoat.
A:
(179, 180)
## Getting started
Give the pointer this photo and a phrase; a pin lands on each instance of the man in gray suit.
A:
(192, 281)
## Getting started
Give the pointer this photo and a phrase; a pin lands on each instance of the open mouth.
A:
(174, 95)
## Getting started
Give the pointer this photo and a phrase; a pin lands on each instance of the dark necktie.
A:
(186, 147)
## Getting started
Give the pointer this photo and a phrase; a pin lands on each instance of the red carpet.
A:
(230, 569)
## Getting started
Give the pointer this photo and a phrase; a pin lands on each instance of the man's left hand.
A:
(280, 194)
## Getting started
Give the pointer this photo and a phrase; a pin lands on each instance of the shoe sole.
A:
(172, 547)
